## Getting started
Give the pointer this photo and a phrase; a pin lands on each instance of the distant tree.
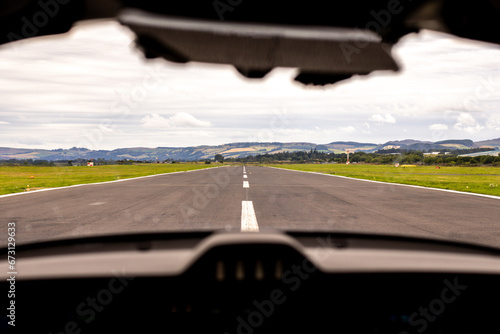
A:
(208, 162)
(411, 158)
(487, 159)
(450, 160)
(219, 158)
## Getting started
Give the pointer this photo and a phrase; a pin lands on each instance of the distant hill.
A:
(407, 142)
(493, 143)
(464, 142)
(341, 146)
(234, 150)
(446, 145)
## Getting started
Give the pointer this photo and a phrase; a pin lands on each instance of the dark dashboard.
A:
(302, 301)
(227, 285)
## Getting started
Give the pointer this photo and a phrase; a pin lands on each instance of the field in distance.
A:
(14, 179)
(481, 180)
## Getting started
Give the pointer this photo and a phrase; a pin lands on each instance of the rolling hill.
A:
(233, 150)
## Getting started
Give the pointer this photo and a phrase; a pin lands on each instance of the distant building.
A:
(435, 153)
(494, 153)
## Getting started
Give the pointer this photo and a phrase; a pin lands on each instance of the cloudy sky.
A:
(92, 89)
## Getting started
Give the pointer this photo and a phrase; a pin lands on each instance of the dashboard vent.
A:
(244, 263)
(258, 270)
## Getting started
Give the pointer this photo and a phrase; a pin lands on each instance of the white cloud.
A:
(347, 129)
(438, 127)
(29, 140)
(467, 123)
(177, 120)
(493, 122)
(4, 123)
(72, 83)
(383, 118)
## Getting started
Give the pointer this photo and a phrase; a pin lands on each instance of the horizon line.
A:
(247, 142)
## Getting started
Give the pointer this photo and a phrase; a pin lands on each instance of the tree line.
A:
(384, 157)
(402, 157)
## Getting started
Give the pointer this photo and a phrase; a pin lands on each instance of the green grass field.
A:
(15, 179)
(481, 180)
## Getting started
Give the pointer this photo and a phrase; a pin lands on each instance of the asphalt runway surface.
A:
(249, 199)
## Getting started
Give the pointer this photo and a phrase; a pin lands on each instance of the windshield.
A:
(239, 154)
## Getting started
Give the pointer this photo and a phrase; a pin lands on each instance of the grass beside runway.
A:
(14, 179)
(481, 180)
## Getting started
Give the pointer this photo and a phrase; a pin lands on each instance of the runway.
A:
(254, 199)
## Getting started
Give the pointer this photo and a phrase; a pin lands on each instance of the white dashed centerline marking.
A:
(248, 218)
(97, 203)
(244, 176)
(245, 184)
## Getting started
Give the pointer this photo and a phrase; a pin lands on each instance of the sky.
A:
(91, 88)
